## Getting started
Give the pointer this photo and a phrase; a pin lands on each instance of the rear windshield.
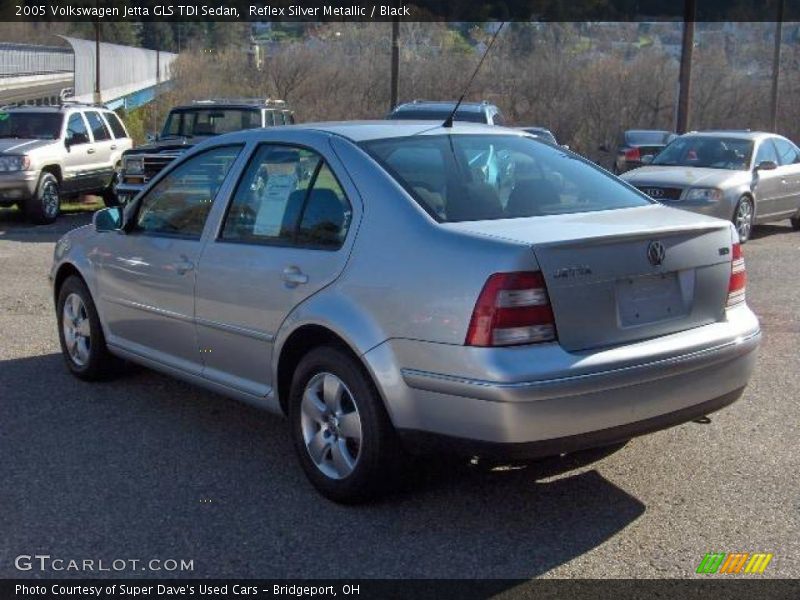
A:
(646, 138)
(708, 152)
(480, 177)
(30, 125)
(210, 121)
(438, 114)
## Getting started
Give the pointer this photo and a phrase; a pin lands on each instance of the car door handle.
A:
(293, 276)
(90, 151)
(184, 266)
(113, 146)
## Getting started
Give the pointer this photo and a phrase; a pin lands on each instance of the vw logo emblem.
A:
(654, 192)
(656, 253)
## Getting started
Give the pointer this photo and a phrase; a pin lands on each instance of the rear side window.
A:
(98, 127)
(116, 125)
(288, 196)
(788, 154)
(179, 204)
(498, 119)
(486, 177)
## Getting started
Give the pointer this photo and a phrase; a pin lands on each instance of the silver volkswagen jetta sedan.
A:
(404, 286)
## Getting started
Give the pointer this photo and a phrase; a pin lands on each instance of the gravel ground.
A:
(147, 467)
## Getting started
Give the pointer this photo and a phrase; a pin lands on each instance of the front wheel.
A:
(342, 435)
(743, 218)
(83, 344)
(45, 204)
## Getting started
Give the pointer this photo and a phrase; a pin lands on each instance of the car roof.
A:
(53, 109)
(439, 104)
(647, 131)
(732, 133)
(219, 105)
(363, 131)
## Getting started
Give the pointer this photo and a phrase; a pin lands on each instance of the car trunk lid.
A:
(624, 275)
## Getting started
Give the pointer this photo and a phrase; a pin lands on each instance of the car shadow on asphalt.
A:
(770, 229)
(147, 466)
(14, 227)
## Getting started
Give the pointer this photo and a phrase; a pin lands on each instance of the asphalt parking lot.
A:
(146, 467)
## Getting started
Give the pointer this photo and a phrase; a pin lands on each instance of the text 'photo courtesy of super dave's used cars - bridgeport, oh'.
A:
(405, 286)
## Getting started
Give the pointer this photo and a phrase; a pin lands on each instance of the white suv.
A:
(49, 153)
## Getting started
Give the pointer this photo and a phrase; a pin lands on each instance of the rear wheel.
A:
(83, 344)
(342, 435)
(743, 218)
(45, 205)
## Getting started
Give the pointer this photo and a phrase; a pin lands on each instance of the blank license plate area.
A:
(642, 300)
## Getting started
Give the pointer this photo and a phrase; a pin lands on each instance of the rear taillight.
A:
(633, 154)
(738, 280)
(513, 308)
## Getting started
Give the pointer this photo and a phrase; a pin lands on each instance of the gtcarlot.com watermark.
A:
(47, 563)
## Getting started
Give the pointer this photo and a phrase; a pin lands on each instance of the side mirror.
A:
(603, 148)
(766, 165)
(108, 219)
(647, 159)
(151, 137)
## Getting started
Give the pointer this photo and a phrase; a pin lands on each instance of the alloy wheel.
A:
(50, 202)
(77, 330)
(331, 425)
(744, 219)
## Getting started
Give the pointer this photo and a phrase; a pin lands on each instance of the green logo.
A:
(3, 116)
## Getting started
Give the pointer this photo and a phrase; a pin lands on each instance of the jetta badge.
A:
(656, 253)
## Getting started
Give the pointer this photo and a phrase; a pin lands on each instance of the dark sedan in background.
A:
(636, 144)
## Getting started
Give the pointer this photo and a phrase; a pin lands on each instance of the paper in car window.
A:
(274, 198)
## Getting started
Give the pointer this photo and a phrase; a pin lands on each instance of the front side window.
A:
(288, 196)
(77, 132)
(480, 177)
(98, 127)
(788, 154)
(707, 152)
(179, 204)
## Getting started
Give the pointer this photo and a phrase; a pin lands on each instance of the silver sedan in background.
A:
(743, 177)
(381, 285)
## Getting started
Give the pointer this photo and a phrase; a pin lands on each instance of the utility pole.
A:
(776, 69)
(685, 76)
(395, 62)
(98, 97)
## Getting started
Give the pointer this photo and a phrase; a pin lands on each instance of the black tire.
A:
(379, 450)
(744, 233)
(99, 363)
(45, 204)
(795, 223)
(109, 195)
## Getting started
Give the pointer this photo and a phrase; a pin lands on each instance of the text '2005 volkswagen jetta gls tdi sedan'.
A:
(410, 286)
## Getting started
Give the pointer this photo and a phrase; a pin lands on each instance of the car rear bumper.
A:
(548, 400)
(17, 186)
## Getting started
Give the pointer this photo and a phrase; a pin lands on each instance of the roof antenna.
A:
(448, 122)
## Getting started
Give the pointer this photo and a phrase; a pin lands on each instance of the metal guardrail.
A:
(19, 60)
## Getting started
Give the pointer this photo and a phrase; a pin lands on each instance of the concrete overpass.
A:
(129, 76)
